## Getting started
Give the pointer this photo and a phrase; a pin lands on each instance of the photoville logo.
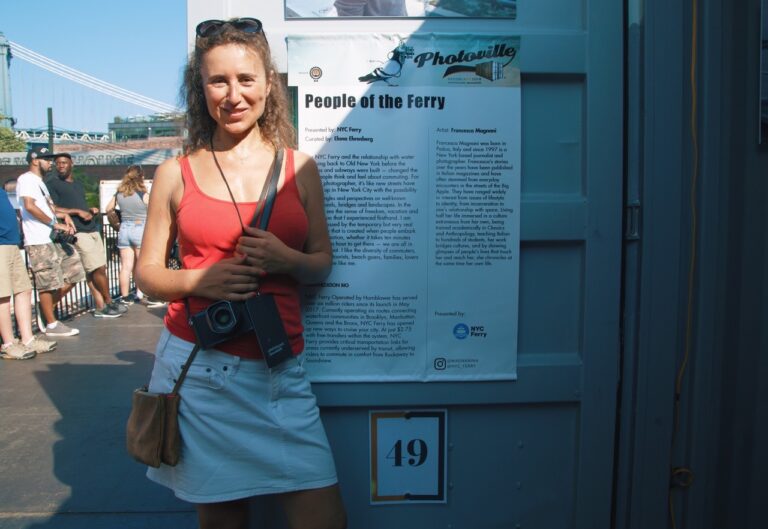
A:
(495, 58)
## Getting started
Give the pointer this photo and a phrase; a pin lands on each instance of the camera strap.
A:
(263, 210)
(266, 198)
(49, 201)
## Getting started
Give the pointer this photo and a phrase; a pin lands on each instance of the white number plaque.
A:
(408, 456)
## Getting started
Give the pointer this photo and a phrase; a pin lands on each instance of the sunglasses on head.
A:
(209, 28)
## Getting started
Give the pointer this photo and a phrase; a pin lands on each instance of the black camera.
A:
(224, 320)
(64, 239)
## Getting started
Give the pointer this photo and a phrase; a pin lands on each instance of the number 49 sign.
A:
(408, 457)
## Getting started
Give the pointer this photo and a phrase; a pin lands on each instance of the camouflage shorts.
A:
(52, 268)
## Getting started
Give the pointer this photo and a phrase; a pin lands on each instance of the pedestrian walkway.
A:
(63, 463)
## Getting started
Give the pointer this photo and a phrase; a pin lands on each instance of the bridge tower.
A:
(6, 110)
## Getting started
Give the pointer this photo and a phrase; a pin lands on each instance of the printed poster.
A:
(400, 8)
(417, 140)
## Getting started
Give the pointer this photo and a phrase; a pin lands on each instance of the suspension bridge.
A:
(100, 122)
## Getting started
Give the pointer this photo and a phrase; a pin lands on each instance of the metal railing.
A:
(79, 300)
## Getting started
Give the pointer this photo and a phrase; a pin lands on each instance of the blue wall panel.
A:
(508, 465)
(553, 136)
(537, 452)
(551, 298)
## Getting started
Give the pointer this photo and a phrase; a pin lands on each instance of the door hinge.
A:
(632, 221)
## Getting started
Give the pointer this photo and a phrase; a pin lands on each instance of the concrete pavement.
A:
(63, 463)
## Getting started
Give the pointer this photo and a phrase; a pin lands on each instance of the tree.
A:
(90, 186)
(9, 142)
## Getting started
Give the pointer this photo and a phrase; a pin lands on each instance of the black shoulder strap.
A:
(261, 218)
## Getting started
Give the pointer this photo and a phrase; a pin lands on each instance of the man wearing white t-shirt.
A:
(55, 272)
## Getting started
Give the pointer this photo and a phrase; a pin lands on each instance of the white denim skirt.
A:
(246, 430)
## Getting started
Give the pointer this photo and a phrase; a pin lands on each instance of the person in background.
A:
(370, 8)
(14, 281)
(247, 429)
(54, 271)
(69, 196)
(132, 199)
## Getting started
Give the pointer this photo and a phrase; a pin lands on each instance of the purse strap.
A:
(115, 206)
(184, 369)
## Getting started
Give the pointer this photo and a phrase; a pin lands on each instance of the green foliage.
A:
(90, 186)
(92, 199)
(9, 142)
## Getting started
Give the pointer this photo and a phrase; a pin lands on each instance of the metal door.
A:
(537, 452)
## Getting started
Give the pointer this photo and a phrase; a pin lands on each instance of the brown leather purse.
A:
(114, 217)
(152, 434)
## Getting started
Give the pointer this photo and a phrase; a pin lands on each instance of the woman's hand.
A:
(264, 252)
(231, 279)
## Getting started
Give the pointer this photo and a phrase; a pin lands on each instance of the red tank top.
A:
(208, 229)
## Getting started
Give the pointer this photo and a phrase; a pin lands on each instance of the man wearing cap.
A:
(69, 197)
(55, 272)
(14, 283)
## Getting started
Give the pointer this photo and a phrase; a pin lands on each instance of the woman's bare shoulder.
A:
(307, 177)
(170, 169)
(167, 183)
(304, 166)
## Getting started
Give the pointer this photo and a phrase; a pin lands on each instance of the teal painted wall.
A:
(721, 433)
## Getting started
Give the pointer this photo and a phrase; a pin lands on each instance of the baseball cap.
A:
(62, 155)
(39, 151)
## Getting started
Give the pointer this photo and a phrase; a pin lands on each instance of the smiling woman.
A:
(236, 87)
(248, 428)
(273, 122)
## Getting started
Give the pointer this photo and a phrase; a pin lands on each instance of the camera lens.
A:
(221, 317)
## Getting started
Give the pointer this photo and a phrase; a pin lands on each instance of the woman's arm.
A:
(228, 279)
(269, 255)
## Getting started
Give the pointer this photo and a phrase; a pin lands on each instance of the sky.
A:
(139, 45)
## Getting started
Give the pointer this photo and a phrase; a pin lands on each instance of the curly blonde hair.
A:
(132, 181)
(275, 123)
